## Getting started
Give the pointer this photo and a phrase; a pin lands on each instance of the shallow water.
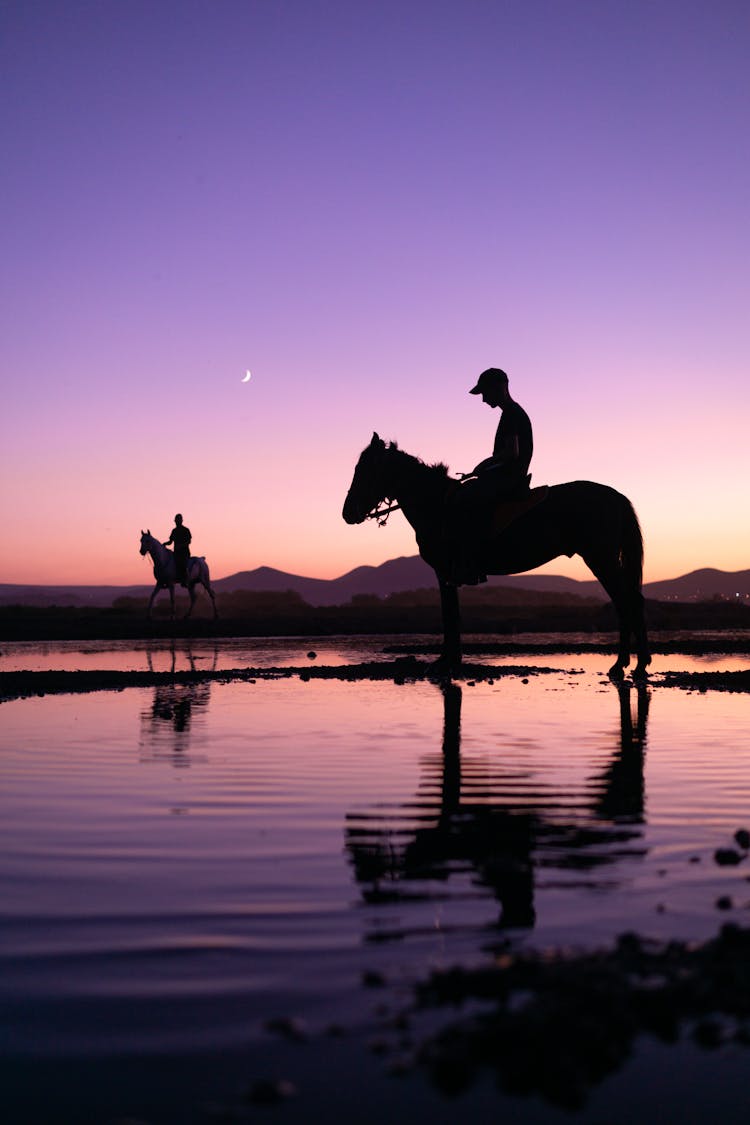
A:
(183, 864)
(262, 652)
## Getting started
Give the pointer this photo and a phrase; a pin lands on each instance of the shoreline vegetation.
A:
(485, 609)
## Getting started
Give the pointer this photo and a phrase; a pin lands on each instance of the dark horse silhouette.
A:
(579, 518)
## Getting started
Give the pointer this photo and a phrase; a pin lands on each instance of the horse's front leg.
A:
(171, 600)
(450, 653)
(191, 592)
(151, 600)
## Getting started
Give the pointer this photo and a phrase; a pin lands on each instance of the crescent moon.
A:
(246, 378)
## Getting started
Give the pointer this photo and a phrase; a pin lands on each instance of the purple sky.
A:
(366, 204)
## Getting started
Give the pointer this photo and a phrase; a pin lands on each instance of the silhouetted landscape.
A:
(489, 609)
(396, 576)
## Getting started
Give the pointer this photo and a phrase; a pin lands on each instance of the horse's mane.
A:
(438, 468)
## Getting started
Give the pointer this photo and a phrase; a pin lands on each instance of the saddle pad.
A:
(506, 511)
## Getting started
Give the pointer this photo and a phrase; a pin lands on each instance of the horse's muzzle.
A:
(350, 513)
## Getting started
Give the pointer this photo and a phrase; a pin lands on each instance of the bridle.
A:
(381, 513)
(382, 510)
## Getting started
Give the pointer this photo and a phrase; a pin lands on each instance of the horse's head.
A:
(368, 484)
(145, 541)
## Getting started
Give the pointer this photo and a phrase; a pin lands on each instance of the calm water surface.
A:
(230, 653)
(182, 865)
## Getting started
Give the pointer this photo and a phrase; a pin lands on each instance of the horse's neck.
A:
(419, 489)
(159, 553)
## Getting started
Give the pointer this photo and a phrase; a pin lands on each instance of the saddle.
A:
(504, 512)
(470, 530)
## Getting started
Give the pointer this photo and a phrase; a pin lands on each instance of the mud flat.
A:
(401, 670)
(23, 685)
(708, 681)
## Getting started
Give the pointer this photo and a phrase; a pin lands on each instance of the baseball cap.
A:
(489, 378)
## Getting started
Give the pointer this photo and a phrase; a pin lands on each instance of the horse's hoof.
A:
(641, 672)
(616, 672)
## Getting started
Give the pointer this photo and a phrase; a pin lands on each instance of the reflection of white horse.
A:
(165, 573)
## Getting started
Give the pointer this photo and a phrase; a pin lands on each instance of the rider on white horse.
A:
(180, 537)
(165, 572)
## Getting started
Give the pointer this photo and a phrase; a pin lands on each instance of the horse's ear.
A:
(148, 531)
(376, 440)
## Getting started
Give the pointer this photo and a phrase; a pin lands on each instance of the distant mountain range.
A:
(394, 576)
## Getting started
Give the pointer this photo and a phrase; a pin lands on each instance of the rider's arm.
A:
(507, 451)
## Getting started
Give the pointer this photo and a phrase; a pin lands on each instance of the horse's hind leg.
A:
(209, 589)
(611, 577)
(624, 587)
(641, 637)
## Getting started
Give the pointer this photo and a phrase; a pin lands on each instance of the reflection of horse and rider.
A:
(178, 698)
(465, 815)
(491, 522)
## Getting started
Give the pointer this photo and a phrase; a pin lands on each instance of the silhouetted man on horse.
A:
(505, 473)
(502, 476)
(180, 538)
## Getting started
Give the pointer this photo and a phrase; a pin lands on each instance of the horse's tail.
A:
(631, 545)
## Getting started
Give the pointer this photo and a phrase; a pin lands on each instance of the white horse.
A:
(165, 572)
